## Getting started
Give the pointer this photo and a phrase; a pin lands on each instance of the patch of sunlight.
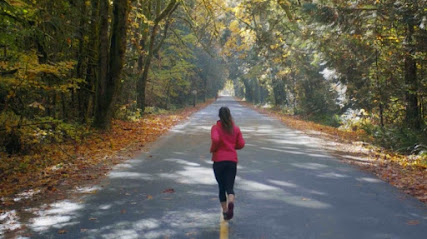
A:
(25, 195)
(159, 234)
(122, 233)
(146, 224)
(201, 193)
(316, 192)
(123, 165)
(316, 155)
(289, 148)
(9, 220)
(191, 175)
(282, 150)
(44, 223)
(301, 141)
(292, 200)
(312, 166)
(130, 175)
(247, 129)
(206, 128)
(251, 145)
(255, 186)
(356, 158)
(369, 180)
(58, 215)
(89, 189)
(182, 161)
(196, 175)
(282, 183)
(332, 175)
(179, 128)
(105, 206)
(190, 218)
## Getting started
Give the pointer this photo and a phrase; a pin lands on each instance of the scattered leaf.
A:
(169, 190)
(412, 222)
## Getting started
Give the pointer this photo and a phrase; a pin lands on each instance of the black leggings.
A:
(225, 173)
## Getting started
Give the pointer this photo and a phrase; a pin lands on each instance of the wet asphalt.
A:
(286, 187)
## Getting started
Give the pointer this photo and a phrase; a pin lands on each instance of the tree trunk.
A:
(102, 97)
(278, 91)
(412, 109)
(81, 62)
(111, 65)
(142, 81)
(92, 70)
(115, 61)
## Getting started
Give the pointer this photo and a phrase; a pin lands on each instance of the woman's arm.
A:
(215, 138)
(240, 143)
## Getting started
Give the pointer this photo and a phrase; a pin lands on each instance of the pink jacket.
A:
(224, 144)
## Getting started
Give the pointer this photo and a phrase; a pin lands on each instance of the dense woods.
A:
(354, 64)
(67, 66)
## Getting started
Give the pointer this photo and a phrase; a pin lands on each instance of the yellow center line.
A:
(223, 229)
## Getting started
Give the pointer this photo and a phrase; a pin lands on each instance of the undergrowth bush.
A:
(21, 135)
(399, 139)
(329, 120)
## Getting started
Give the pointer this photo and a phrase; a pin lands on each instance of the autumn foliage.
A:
(71, 162)
(406, 172)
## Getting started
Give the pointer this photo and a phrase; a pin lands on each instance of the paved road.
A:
(287, 187)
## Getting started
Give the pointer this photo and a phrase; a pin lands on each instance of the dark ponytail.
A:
(226, 119)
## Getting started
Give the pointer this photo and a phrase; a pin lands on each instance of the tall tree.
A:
(110, 59)
(150, 48)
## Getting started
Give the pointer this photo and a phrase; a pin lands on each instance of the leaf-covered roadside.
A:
(406, 172)
(71, 162)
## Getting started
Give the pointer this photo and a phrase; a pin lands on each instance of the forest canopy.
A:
(66, 66)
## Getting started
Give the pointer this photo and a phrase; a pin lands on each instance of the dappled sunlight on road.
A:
(181, 161)
(56, 215)
(282, 183)
(191, 175)
(311, 166)
(130, 175)
(266, 193)
(285, 185)
(253, 186)
(167, 226)
(369, 180)
(332, 175)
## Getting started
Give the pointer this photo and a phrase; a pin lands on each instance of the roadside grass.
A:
(406, 172)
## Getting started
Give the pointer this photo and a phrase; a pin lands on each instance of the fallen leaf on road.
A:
(83, 230)
(412, 222)
(93, 218)
(123, 211)
(149, 197)
(62, 231)
(305, 199)
(169, 190)
(190, 233)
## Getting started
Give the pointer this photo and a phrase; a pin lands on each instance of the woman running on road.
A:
(226, 138)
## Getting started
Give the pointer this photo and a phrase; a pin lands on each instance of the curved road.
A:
(287, 187)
